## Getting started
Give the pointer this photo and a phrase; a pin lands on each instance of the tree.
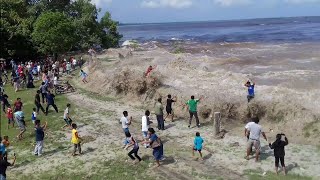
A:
(110, 34)
(53, 33)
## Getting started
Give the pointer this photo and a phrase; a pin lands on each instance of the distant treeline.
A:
(33, 28)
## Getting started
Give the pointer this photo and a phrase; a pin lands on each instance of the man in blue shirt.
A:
(250, 85)
(50, 102)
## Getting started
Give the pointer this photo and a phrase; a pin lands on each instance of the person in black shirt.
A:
(4, 102)
(50, 102)
(279, 152)
(3, 166)
(169, 107)
(37, 102)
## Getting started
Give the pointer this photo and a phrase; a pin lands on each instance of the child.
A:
(84, 76)
(39, 137)
(34, 115)
(6, 141)
(279, 152)
(197, 145)
(135, 148)
(76, 140)
(10, 116)
(66, 117)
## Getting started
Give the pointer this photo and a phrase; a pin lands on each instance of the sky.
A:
(153, 11)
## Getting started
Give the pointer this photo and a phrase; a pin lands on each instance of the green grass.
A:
(311, 129)
(257, 175)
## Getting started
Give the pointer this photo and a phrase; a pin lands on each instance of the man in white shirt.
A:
(145, 126)
(247, 132)
(66, 117)
(255, 131)
(125, 122)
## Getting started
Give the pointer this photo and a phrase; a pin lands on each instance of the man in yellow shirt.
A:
(76, 140)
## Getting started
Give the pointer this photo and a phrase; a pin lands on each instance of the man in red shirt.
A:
(18, 105)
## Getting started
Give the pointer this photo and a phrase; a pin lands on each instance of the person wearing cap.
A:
(250, 85)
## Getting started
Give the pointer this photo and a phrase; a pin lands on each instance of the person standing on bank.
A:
(39, 137)
(37, 102)
(279, 152)
(159, 113)
(169, 109)
(192, 104)
(50, 102)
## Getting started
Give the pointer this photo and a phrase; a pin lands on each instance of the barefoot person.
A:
(76, 140)
(66, 117)
(145, 126)
(279, 151)
(169, 109)
(37, 102)
(39, 137)
(156, 145)
(192, 104)
(159, 114)
(247, 132)
(250, 85)
(135, 147)
(197, 145)
(255, 131)
(149, 70)
(4, 165)
(19, 116)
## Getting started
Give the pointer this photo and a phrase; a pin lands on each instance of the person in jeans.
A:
(50, 102)
(4, 164)
(43, 89)
(37, 102)
(279, 152)
(192, 104)
(159, 113)
(135, 147)
(39, 137)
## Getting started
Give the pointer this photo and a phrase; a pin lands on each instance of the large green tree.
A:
(53, 33)
(110, 34)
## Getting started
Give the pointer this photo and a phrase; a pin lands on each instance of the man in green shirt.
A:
(192, 104)
(159, 113)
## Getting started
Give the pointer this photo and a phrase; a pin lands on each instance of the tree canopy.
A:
(33, 27)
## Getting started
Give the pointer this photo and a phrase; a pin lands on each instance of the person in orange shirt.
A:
(10, 117)
(6, 141)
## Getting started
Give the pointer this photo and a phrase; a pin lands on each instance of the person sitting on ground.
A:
(50, 102)
(135, 147)
(66, 117)
(197, 145)
(19, 116)
(279, 151)
(255, 131)
(76, 140)
(250, 85)
(4, 164)
(192, 104)
(169, 109)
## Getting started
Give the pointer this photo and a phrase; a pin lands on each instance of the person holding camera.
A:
(279, 152)
(4, 164)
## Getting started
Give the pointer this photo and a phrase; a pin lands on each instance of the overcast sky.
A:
(141, 11)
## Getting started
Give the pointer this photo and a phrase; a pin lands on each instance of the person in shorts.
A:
(66, 117)
(19, 116)
(145, 126)
(197, 145)
(255, 131)
(34, 115)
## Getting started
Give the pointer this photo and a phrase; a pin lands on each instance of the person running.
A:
(145, 126)
(4, 102)
(34, 116)
(279, 151)
(197, 145)
(159, 114)
(17, 106)
(255, 131)
(135, 147)
(4, 164)
(50, 102)
(169, 109)
(84, 76)
(156, 145)
(39, 137)
(37, 102)
(125, 122)
(76, 140)
(192, 104)
(44, 89)
(19, 116)
(250, 85)
(10, 117)
(66, 117)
